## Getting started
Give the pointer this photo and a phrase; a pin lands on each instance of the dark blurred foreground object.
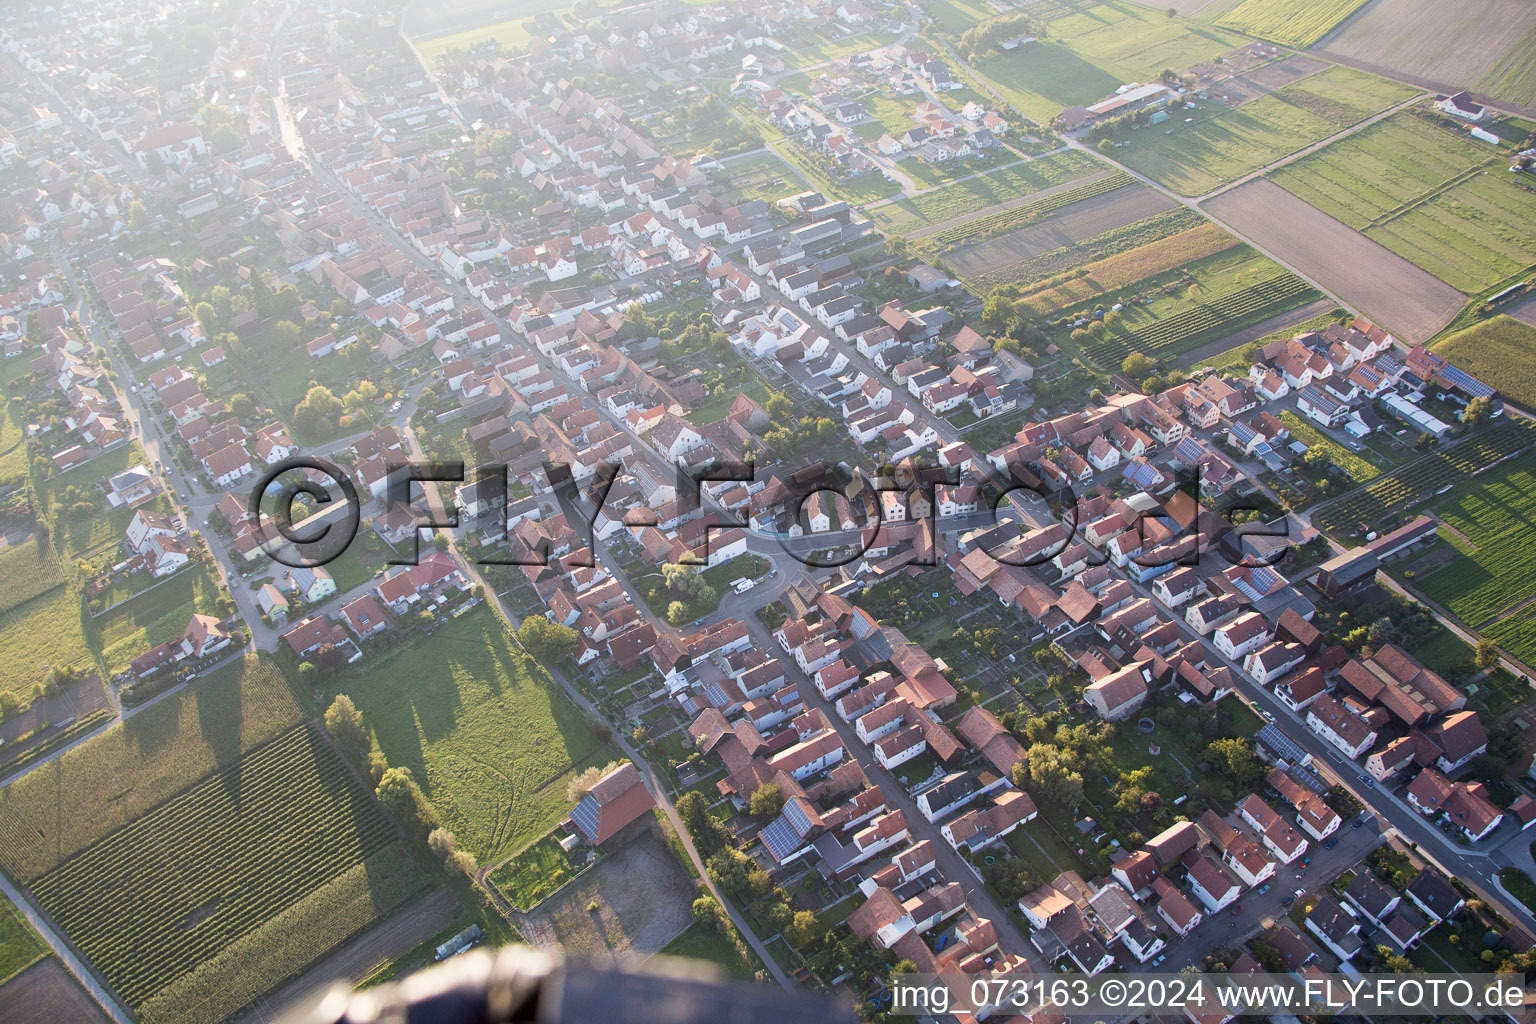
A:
(521, 985)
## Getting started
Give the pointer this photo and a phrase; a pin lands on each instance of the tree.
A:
(318, 412)
(677, 613)
(1172, 11)
(706, 911)
(1106, 145)
(441, 842)
(206, 317)
(767, 800)
(1138, 366)
(138, 216)
(682, 578)
(1487, 654)
(345, 724)
(583, 783)
(550, 643)
(1053, 775)
(242, 407)
(1234, 758)
(802, 929)
(737, 873)
(997, 309)
(1476, 412)
(398, 791)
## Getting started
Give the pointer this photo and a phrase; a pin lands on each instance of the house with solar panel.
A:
(619, 798)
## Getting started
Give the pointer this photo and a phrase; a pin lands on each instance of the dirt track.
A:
(394, 936)
(1412, 303)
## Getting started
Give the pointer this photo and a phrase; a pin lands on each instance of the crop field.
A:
(156, 616)
(1298, 23)
(73, 801)
(154, 901)
(46, 993)
(1389, 498)
(1205, 320)
(1054, 263)
(1015, 182)
(1344, 96)
(997, 260)
(27, 568)
(1486, 48)
(964, 232)
(41, 633)
(1107, 276)
(490, 737)
(1410, 302)
(1496, 513)
(1443, 201)
(1500, 352)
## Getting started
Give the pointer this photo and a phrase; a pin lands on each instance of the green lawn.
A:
(1500, 352)
(706, 942)
(14, 461)
(955, 16)
(1095, 49)
(1440, 199)
(156, 616)
(490, 737)
(533, 874)
(1360, 470)
(86, 531)
(20, 946)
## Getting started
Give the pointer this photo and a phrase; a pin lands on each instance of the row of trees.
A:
(396, 787)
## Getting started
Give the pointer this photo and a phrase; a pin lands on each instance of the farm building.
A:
(618, 799)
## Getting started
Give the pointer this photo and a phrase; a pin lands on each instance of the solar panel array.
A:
(585, 816)
(780, 838)
(798, 819)
(1271, 738)
(1460, 378)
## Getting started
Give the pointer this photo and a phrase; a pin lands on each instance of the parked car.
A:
(1330, 844)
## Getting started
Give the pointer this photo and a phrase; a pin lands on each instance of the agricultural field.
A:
(46, 993)
(260, 853)
(490, 737)
(1391, 497)
(1225, 143)
(438, 28)
(760, 177)
(1064, 259)
(1094, 49)
(20, 946)
(1298, 23)
(73, 801)
(1500, 352)
(1447, 46)
(1107, 276)
(1252, 292)
(155, 616)
(40, 634)
(1492, 524)
(1014, 183)
(28, 568)
(1405, 299)
(996, 258)
(1444, 201)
